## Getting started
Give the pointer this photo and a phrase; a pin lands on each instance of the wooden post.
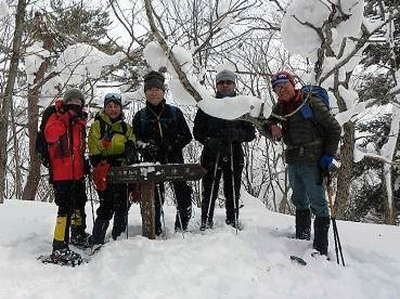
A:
(147, 210)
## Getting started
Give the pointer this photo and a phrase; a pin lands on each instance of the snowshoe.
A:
(63, 257)
(81, 240)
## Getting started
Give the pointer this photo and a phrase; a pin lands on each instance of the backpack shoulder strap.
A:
(45, 116)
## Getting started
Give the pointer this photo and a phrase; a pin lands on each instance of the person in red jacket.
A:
(65, 134)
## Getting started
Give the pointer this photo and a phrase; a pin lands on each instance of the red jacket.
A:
(66, 141)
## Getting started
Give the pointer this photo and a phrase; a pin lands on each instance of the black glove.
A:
(77, 110)
(131, 152)
(148, 148)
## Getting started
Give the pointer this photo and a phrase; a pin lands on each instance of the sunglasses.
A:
(113, 96)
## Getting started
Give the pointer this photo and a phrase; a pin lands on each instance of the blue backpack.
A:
(317, 91)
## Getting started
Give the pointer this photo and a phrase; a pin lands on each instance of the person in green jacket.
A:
(111, 143)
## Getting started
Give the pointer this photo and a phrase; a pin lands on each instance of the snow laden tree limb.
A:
(171, 57)
(360, 44)
(259, 122)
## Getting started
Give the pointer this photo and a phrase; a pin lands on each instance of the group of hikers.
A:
(158, 133)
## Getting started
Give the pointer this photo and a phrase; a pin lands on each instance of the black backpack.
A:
(42, 147)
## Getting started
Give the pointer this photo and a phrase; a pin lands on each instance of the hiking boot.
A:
(303, 224)
(234, 224)
(81, 240)
(99, 231)
(206, 225)
(119, 226)
(66, 256)
(158, 231)
(185, 221)
(321, 228)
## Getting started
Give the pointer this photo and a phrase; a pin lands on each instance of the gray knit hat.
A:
(154, 79)
(226, 75)
(74, 94)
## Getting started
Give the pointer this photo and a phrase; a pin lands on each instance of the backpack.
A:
(317, 91)
(41, 146)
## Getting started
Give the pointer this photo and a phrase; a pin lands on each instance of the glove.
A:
(105, 143)
(131, 152)
(148, 148)
(276, 132)
(325, 162)
(215, 144)
(75, 111)
(100, 175)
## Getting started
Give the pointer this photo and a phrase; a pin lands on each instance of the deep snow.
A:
(216, 264)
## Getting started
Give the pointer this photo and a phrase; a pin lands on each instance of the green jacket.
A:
(113, 132)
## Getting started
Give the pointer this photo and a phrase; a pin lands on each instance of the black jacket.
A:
(165, 126)
(206, 127)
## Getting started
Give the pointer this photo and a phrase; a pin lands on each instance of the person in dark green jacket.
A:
(311, 137)
(111, 143)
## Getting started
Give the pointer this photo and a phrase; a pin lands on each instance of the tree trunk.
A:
(18, 174)
(8, 94)
(345, 171)
(41, 33)
(33, 179)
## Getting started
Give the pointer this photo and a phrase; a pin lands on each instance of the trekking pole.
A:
(212, 186)
(91, 196)
(161, 210)
(127, 210)
(233, 189)
(338, 245)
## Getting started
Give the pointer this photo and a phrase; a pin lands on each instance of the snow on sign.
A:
(155, 173)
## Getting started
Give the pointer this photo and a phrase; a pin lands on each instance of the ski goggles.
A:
(113, 97)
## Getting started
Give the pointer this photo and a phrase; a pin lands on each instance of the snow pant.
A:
(308, 192)
(183, 196)
(70, 197)
(223, 169)
(113, 202)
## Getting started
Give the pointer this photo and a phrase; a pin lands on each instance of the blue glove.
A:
(325, 162)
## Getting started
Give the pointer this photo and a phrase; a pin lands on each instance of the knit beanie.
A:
(225, 75)
(282, 77)
(73, 93)
(154, 80)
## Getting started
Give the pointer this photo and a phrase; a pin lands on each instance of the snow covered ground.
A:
(216, 264)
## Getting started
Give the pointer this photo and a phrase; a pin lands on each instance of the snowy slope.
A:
(217, 264)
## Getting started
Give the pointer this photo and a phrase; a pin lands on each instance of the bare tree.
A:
(8, 93)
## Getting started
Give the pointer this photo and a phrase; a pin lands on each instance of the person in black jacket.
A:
(161, 130)
(221, 154)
